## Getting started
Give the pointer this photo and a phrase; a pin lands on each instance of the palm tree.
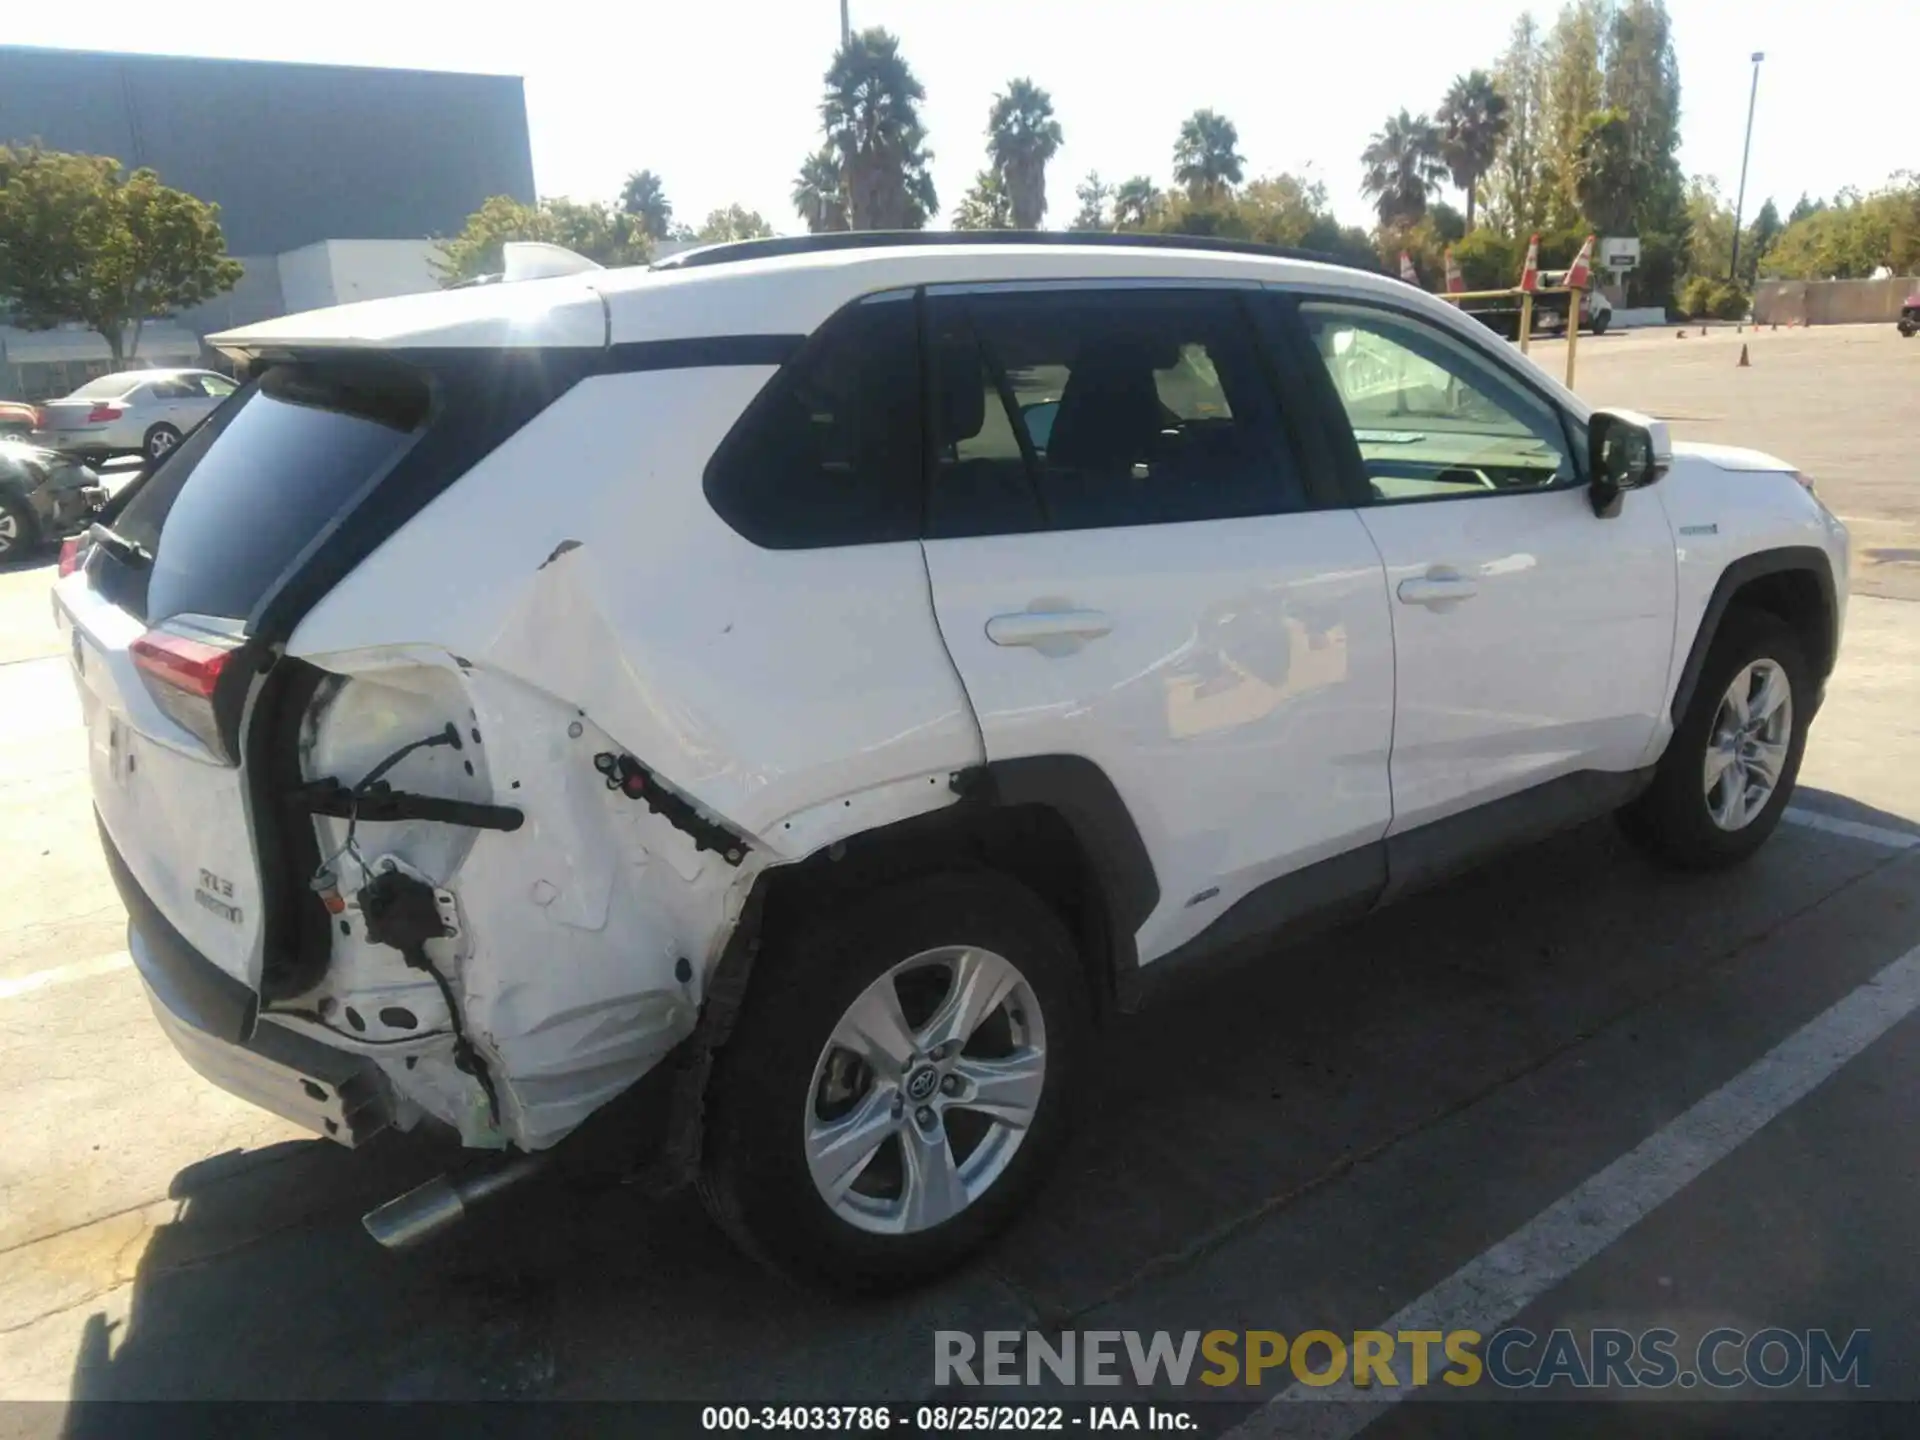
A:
(1134, 203)
(1022, 136)
(871, 112)
(1403, 168)
(645, 198)
(987, 205)
(820, 193)
(1473, 122)
(1206, 157)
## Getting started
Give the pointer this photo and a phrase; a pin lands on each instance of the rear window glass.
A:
(107, 387)
(242, 498)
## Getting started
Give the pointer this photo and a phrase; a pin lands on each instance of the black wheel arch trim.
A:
(1081, 793)
(1739, 573)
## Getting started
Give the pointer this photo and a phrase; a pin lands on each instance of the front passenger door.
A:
(1532, 637)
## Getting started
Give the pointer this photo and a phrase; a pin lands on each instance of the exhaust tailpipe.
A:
(412, 1219)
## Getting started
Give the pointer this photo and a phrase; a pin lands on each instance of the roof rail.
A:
(732, 251)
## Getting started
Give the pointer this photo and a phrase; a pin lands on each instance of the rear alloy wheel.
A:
(889, 1143)
(160, 439)
(898, 1082)
(1729, 769)
(18, 533)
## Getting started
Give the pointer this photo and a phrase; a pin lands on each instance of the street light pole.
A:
(1740, 200)
(846, 26)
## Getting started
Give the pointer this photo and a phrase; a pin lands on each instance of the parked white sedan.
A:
(144, 410)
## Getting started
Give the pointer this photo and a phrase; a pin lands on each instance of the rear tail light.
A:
(73, 550)
(101, 414)
(39, 418)
(182, 668)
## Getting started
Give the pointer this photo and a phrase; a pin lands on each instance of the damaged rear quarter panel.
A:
(576, 580)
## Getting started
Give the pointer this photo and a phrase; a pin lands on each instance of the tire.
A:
(779, 1076)
(159, 440)
(1674, 820)
(1600, 323)
(19, 531)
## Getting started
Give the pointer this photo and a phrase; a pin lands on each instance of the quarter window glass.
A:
(830, 452)
(1434, 419)
(214, 386)
(1084, 409)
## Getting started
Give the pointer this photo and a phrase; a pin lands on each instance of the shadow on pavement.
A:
(1220, 1105)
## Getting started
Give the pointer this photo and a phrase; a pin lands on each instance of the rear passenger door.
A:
(1134, 561)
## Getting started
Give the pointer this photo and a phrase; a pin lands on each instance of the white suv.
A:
(825, 675)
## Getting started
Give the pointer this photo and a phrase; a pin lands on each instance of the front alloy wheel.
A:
(925, 1091)
(1747, 747)
(1729, 767)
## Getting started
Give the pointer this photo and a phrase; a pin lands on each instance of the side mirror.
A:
(1625, 451)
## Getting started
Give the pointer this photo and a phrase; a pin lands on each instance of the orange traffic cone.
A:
(1530, 270)
(1407, 272)
(1582, 267)
(1455, 285)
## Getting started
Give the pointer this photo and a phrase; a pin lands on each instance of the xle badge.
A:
(214, 894)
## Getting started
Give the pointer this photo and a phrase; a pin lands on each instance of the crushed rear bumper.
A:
(213, 1021)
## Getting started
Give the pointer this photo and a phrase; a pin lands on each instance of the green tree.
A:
(590, 228)
(1853, 236)
(1803, 207)
(1710, 232)
(871, 112)
(1022, 136)
(987, 205)
(1489, 260)
(1515, 197)
(1473, 122)
(820, 192)
(81, 241)
(1607, 177)
(735, 222)
(1403, 168)
(1093, 194)
(1206, 156)
(1758, 240)
(1135, 203)
(645, 198)
(1641, 82)
(1573, 87)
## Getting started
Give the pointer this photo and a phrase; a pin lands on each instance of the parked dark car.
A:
(1909, 320)
(43, 497)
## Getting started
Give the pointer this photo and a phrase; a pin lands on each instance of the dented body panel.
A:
(566, 633)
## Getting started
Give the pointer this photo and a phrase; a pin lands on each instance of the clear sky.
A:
(720, 96)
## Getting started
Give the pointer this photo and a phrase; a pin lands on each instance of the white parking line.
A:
(1852, 829)
(13, 989)
(1493, 1288)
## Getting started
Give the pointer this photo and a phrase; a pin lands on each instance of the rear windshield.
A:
(107, 387)
(239, 502)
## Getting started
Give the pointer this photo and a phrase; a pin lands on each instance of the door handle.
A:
(1050, 631)
(1437, 589)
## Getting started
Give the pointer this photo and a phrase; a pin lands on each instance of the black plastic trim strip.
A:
(224, 1007)
(1738, 573)
(1344, 887)
(701, 352)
